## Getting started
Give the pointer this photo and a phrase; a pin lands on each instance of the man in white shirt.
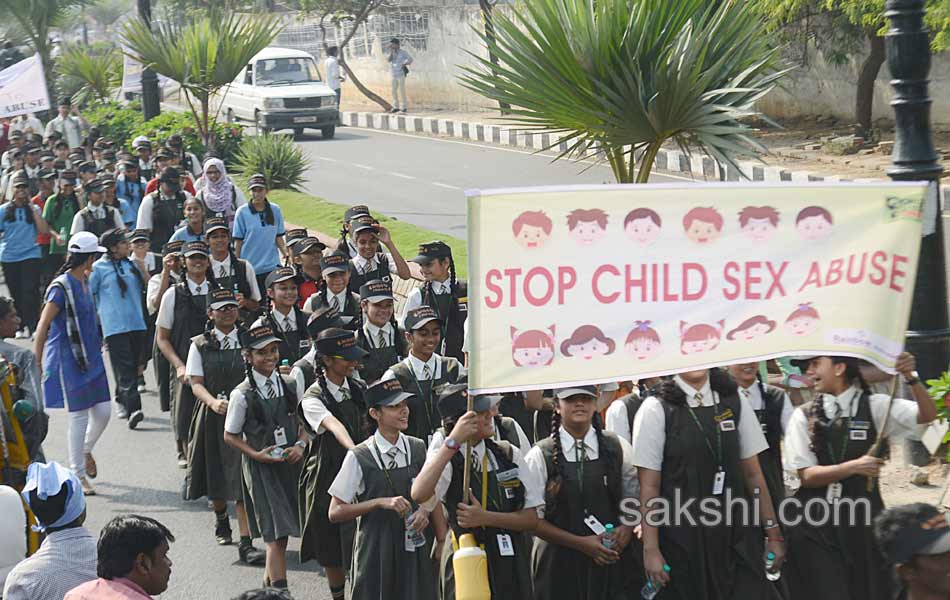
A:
(335, 77)
(73, 127)
(27, 124)
(399, 61)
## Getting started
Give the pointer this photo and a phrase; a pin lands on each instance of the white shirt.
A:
(145, 209)
(315, 411)
(617, 421)
(332, 67)
(72, 127)
(649, 427)
(166, 310)
(754, 395)
(193, 366)
(312, 302)
(570, 447)
(12, 518)
(152, 298)
(217, 266)
(300, 383)
(414, 299)
(438, 436)
(364, 266)
(27, 123)
(98, 212)
(282, 321)
(372, 334)
(903, 421)
(397, 60)
(237, 404)
(434, 363)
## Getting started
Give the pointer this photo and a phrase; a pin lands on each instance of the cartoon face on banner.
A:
(532, 348)
(752, 328)
(759, 222)
(643, 226)
(643, 342)
(804, 320)
(814, 223)
(532, 229)
(703, 225)
(587, 342)
(587, 226)
(699, 337)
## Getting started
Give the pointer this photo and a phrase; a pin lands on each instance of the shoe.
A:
(26, 333)
(394, 111)
(222, 532)
(19, 334)
(405, 110)
(121, 412)
(87, 488)
(250, 555)
(182, 461)
(142, 387)
(91, 469)
(135, 419)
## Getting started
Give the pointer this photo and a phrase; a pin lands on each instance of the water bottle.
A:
(649, 590)
(770, 573)
(417, 537)
(62, 235)
(608, 539)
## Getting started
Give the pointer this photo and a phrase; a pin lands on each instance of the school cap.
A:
(84, 243)
(170, 175)
(928, 534)
(130, 164)
(431, 251)
(195, 247)
(34, 150)
(334, 263)
(172, 247)
(306, 244)
(68, 176)
(376, 290)
(364, 223)
(107, 180)
(20, 178)
(111, 237)
(419, 316)
(215, 223)
(257, 180)
(578, 390)
(108, 155)
(46, 174)
(453, 401)
(16, 135)
(140, 141)
(174, 141)
(293, 236)
(163, 154)
(259, 337)
(339, 343)
(140, 234)
(358, 210)
(94, 185)
(386, 393)
(280, 274)
(221, 298)
(59, 164)
(324, 318)
(802, 361)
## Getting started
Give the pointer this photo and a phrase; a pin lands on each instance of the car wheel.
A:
(328, 132)
(259, 122)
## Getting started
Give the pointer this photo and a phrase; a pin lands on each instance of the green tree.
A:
(626, 76)
(843, 29)
(203, 56)
(106, 12)
(92, 74)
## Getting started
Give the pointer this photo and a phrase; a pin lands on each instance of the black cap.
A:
(419, 316)
(339, 343)
(68, 176)
(59, 164)
(130, 164)
(111, 237)
(174, 141)
(49, 175)
(324, 318)
(34, 150)
(20, 178)
(161, 153)
(431, 251)
(453, 401)
(258, 337)
(15, 135)
(88, 167)
(307, 244)
(215, 223)
(221, 297)
(577, 390)
(171, 175)
(357, 210)
(65, 101)
(93, 185)
(280, 274)
(926, 532)
(107, 180)
(333, 263)
(376, 290)
(172, 247)
(293, 236)
(195, 247)
(365, 223)
(256, 180)
(386, 393)
(140, 234)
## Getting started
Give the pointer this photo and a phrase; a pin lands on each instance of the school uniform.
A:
(422, 379)
(237, 275)
(842, 562)
(291, 329)
(258, 411)
(153, 301)
(329, 543)
(452, 308)
(592, 485)
(381, 267)
(620, 416)
(346, 302)
(508, 430)
(161, 215)
(96, 220)
(688, 443)
(214, 467)
(381, 344)
(382, 566)
(773, 409)
(306, 287)
(20, 259)
(150, 266)
(185, 234)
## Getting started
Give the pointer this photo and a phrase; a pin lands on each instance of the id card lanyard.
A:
(426, 398)
(844, 437)
(385, 469)
(720, 478)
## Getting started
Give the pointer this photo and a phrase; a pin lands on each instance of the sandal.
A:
(91, 469)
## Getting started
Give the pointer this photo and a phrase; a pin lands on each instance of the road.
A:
(422, 179)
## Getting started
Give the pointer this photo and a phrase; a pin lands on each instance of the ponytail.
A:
(555, 480)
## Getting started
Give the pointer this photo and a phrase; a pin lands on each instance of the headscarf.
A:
(217, 195)
(48, 479)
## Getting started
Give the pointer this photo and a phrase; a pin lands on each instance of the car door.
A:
(239, 96)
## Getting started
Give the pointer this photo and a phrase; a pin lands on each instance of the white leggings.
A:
(84, 432)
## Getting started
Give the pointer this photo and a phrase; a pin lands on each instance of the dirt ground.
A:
(897, 488)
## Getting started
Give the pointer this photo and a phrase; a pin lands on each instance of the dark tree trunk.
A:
(864, 102)
(487, 6)
(358, 20)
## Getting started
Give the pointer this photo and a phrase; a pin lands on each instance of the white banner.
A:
(23, 88)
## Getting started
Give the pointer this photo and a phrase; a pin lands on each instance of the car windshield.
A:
(279, 71)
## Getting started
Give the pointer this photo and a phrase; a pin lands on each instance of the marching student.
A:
(58, 212)
(443, 292)
(424, 370)
(345, 245)
(162, 210)
(214, 368)
(259, 231)
(332, 410)
(587, 474)
(380, 335)
(158, 284)
(281, 314)
(227, 271)
(194, 228)
(181, 316)
(370, 263)
(698, 442)
(262, 423)
(20, 222)
(335, 293)
(307, 253)
(96, 217)
(117, 286)
(130, 185)
(111, 200)
(504, 494)
(291, 237)
(218, 193)
(390, 549)
(827, 444)
(149, 264)
(304, 371)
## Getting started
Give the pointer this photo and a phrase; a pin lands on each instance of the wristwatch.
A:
(914, 379)
(452, 444)
(300, 443)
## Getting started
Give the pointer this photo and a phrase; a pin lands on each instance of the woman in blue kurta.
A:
(68, 347)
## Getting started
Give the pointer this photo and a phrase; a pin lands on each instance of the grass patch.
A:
(326, 217)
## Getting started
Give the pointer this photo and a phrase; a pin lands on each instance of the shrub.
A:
(276, 157)
(227, 138)
(115, 121)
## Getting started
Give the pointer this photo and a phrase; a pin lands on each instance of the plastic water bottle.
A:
(608, 539)
(417, 537)
(770, 573)
(649, 590)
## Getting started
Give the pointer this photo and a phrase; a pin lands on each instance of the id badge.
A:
(719, 482)
(509, 475)
(280, 436)
(859, 434)
(727, 425)
(505, 547)
(410, 544)
(835, 491)
(304, 344)
(594, 524)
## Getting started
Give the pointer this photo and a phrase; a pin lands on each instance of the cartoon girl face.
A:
(532, 348)
(760, 230)
(802, 325)
(589, 350)
(702, 232)
(533, 357)
(643, 348)
(750, 333)
(531, 237)
(813, 228)
(643, 231)
(697, 346)
(587, 233)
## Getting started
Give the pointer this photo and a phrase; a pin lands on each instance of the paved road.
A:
(422, 179)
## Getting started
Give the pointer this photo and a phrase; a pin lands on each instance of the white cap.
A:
(139, 140)
(84, 243)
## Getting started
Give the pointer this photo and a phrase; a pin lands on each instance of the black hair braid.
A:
(72, 261)
(555, 480)
(268, 212)
(612, 462)
(670, 392)
(254, 405)
(721, 383)
(123, 286)
(399, 341)
(320, 371)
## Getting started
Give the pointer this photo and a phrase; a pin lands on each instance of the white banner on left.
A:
(23, 88)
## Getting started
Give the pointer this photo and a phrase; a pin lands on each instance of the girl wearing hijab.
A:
(217, 192)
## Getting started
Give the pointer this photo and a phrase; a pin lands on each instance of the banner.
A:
(23, 88)
(589, 284)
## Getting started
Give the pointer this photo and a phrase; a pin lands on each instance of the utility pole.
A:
(150, 100)
(914, 159)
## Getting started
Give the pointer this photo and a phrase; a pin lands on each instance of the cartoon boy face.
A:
(802, 325)
(813, 228)
(589, 350)
(531, 237)
(643, 231)
(702, 232)
(643, 349)
(533, 357)
(697, 346)
(760, 230)
(586, 233)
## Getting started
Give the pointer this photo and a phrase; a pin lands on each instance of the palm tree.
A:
(203, 56)
(626, 76)
(97, 73)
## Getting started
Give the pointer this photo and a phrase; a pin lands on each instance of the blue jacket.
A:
(118, 312)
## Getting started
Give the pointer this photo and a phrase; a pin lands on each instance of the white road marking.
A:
(326, 159)
(401, 175)
(366, 167)
(445, 185)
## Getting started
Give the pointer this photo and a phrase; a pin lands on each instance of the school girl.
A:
(345, 244)
(95, 217)
(227, 271)
(307, 253)
(827, 444)
(336, 277)
(261, 422)
(423, 371)
(587, 474)
(699, 441)
(443, 292)
(112, 201)
(182, 316)
(504, 495)
(304, 371)
(380, 335)
(214, 368)
(291, 237)
(390, 549)
(194, 227)
(259, 231)
(333, 410)
(507, 428)
(281, 314)
(158, 284)
(370, 263)
(117, 286)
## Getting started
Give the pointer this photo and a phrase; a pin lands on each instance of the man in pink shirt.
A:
(133, 562)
